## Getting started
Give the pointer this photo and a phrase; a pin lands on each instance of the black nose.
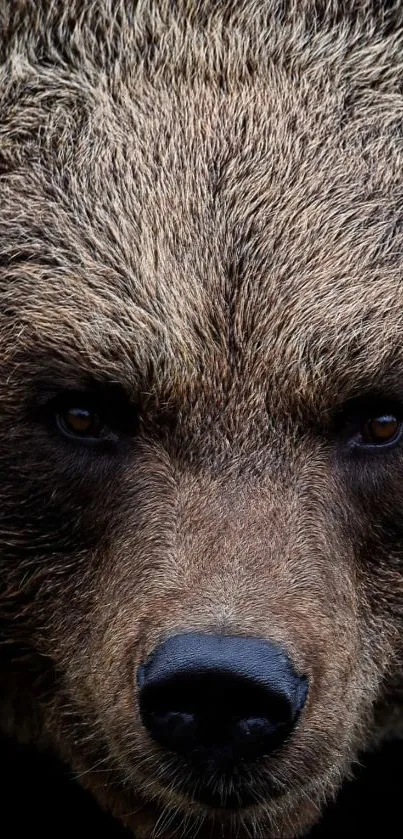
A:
(220, 698)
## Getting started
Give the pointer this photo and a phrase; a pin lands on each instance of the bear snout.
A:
(220, 700)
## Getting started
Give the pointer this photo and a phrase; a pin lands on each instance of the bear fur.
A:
(201, 233)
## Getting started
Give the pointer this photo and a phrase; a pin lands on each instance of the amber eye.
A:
(79, 421)
(381, 430)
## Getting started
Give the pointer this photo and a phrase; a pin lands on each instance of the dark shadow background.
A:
(39, 798)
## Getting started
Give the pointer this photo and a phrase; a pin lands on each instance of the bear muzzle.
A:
(219, 701)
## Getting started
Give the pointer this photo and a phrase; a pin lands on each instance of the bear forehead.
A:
(307, 295)
(324, 326)
(255, 229)
(318, 337)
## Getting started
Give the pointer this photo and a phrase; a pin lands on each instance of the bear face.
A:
(200, 337)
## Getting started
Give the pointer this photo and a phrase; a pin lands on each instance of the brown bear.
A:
(201, 425)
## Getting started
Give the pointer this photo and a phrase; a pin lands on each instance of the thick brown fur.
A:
(201, 219)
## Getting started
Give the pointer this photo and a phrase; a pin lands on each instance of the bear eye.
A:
(381, 430)
(78, 417)
(371, 422)
(79, 421)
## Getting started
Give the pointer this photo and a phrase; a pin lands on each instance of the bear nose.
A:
(220, 698)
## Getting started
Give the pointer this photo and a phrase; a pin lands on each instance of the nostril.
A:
(216, 694)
